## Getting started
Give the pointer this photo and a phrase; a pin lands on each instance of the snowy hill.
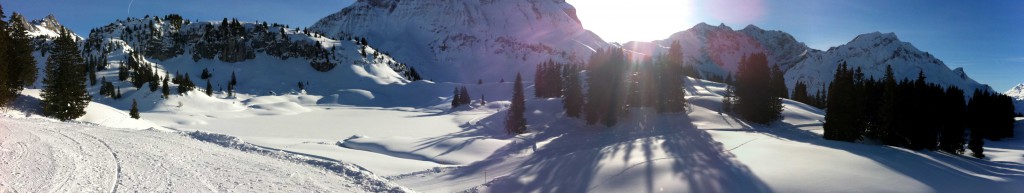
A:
(1017, 93)
(718, 49)
(463, 41)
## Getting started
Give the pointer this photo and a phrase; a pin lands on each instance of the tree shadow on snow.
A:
(932, 168)
(588, 159)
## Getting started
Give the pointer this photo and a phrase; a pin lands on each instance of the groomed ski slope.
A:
(39, 155)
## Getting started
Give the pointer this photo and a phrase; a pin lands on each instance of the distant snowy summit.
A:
(1016, 92)
(467, 40)
(717, 50)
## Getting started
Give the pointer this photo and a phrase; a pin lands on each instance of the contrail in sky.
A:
(130, 8)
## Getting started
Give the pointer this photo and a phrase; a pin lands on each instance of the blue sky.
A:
(986, 38)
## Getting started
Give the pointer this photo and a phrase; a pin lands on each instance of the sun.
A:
(635, 20)
(646, 20)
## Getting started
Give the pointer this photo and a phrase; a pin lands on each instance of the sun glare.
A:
(646, 20)
(643, 20)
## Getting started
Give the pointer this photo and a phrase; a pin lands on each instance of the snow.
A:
(45, 156)
(360, 127)
(717, 50)
(463, 41)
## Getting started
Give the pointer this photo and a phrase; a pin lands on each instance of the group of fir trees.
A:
(990, 116)
(800, 94)
(548, 80)
(17, 66)
(912, 113)
(757, 91)
(461, 97)
(615, 84)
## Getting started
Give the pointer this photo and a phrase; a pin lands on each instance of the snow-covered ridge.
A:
(872, 52)
(717, 50)
(1016, 92)
(462, 41)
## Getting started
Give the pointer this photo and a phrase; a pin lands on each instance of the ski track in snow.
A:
(43, 156)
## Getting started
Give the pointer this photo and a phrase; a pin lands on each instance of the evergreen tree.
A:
(166, 90)
(755, 100)
(673, 97)
(134, 113)
(778, 83)
(5, 86)
(231, 90)
(16, 60)
(234, 82)
(842, 115)
(64, 94)
(464, 98)
(515, 122)
(885, 130)
(154, 84)
(456, 98)
(977, 124)
(209, 88)
(572, 101)
(953, 116)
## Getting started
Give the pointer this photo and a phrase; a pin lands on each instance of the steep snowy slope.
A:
(467, 40)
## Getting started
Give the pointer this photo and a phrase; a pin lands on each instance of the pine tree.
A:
(778, 83)
(234, 82)
(209, 88)
(464, 97)
(886, 128)
(673, 97)
(17, 65)
(6, 96)
(154, 84)
(64, 95)
(841, 118)
(134, 113)
(515, 123)
(572, 101)
(166, 90)
(952, 134)
(755, 99)
(456, 98)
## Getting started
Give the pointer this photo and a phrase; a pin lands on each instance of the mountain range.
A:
(466, 41)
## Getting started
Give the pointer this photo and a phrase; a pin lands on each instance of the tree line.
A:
(913, 114)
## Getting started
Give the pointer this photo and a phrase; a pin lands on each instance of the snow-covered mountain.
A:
(1017, 92)
(872, 52)
(265, 58)
(718, 49)
(467, 40)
